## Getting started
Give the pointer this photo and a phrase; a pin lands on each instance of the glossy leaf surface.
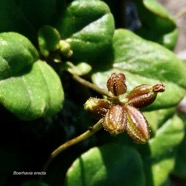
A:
(180, 164)
(162, 151)
(17, 54)
(34, 94)
(29, 88)
(163, 30)
(48, 38)
(144, 62)
(107, 165)
(88, 26)
(159, 153)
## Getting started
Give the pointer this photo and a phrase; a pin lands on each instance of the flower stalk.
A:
(71, 142)
(92, 86)
(114, 115)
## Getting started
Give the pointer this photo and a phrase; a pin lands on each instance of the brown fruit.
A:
(116, 84)
(115, 120)
(137, 126)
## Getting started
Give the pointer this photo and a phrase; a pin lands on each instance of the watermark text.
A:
(27, 173)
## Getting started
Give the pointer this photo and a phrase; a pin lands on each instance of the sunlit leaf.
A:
(29, 88)
(145, 62)
(88, 26)
(107, 165)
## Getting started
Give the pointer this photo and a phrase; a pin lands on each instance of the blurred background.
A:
(178, 10)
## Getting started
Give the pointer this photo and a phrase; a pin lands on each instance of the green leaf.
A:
(29, 88)
(159, 153)
(162, 148)
(107, 165)
(37, 93)
(80, 69)
(163, 29)
(146, 58)
(167, 138)
(17, 54)
(146, 62)
(169, 40)
(180, 165)
(49, 39)
(158, 173)
(156, 122)
(180, 169)
(88, 26)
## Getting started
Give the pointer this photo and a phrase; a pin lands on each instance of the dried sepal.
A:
(115, 120)
(143, 95)
(159, 87)
(97, 107)
(116, 84)
(137, 125)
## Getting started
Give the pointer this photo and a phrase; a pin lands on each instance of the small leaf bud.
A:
(97, 107)
(65, 48)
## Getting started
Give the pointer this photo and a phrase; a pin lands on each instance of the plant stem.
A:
(71, 142)
(92, 86)
(180, 13)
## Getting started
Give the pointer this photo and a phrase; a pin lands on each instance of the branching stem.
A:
(92, 86)
(180, 13)
(71, 142)
(86, 134)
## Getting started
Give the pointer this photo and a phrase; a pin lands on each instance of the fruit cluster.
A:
(124, 115)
